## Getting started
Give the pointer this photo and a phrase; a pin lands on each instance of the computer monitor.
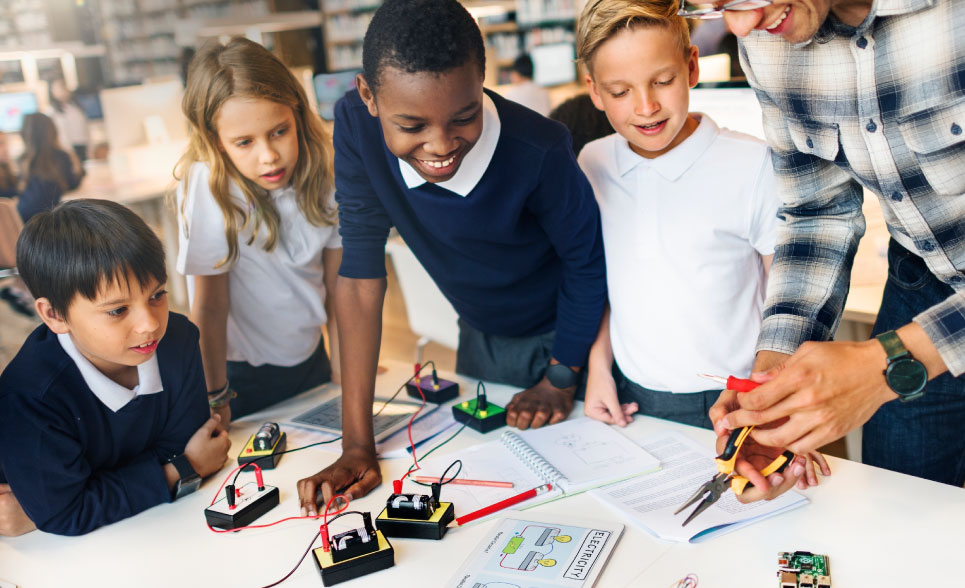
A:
(329, 88)
(13, 107)
(553, 64)
(734, 108)
(127, 109)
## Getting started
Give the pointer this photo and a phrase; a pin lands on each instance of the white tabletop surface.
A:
(879, 529)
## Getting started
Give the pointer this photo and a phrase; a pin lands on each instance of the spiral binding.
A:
(533, 460)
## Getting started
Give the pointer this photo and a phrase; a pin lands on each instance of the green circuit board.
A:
(803, 569)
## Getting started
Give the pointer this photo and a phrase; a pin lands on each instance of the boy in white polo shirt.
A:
(688, 214)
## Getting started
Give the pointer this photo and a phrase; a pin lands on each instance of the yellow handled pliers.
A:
(711, 491)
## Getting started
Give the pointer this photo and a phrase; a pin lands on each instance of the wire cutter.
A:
(710, 492)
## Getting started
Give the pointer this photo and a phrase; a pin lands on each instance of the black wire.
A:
(402, 387)
(342, 514)
(443, 476)
(453, 436)
(300, 560)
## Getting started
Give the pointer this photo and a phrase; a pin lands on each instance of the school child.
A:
(8, 178)
(47, 171)
(488, 196)
(102, 412)
(258, 239)
(689, 218)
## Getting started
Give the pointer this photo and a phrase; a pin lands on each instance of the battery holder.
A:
(488, 417)
(434, 527)
(360, 553)
(250, 503)
(266, 459)
(435, 390)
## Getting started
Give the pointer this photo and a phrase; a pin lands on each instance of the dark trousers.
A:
(266, 384)
(515, 361)
(923, 437)
(689, 409)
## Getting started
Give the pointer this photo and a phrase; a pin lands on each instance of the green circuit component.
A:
(803, 569)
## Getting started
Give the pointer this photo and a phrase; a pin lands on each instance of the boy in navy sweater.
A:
(100, 418)
(488, 196)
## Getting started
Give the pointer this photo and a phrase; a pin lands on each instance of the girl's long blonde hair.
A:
(243, 68)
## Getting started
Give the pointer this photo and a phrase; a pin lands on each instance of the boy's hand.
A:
(355, 473)
(602, 403)
(207, 449)
(543, 403)
(224, 413)
(13, 520)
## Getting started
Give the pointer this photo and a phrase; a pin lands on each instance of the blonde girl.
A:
(258, 240)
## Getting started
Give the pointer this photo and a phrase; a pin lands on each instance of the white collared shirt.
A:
(683, 236)
(113, 395)
(276, 306)
(474, 164)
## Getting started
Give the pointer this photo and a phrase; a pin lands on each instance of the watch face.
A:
(906, 376)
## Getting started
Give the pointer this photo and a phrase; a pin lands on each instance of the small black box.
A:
(490, 419)
(444, 391)
(332, 573)
(434, 528)
(249, 506)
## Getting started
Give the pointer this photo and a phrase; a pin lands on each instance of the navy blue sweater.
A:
(520, 255)
(74, 464)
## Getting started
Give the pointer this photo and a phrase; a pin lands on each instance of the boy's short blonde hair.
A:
(601, 19)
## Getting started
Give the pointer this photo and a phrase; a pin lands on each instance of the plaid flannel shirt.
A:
(882, 106)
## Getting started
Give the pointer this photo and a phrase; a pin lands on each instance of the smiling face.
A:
(795, 20)
(642, 80)
(430, 120)
(260, 138)
(118, 330)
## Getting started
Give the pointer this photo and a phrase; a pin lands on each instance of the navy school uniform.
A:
(520, 255)
(72, 462)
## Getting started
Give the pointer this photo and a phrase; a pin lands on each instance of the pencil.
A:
(511, 501)
(465, 481)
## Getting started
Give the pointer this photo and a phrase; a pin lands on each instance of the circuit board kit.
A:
(803, 569)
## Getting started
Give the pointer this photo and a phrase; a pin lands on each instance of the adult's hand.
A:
(754, 457)
(542, 404)
(818, 395)
(354, 474)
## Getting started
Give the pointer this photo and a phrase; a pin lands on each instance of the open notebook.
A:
(573, 456)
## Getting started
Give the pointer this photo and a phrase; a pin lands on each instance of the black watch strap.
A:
(562, 376)
(188, 479)
(905, 375)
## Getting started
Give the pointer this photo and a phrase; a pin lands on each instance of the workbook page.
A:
(650, 501)
(589, 453)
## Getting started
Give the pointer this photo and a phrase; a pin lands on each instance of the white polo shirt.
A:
(113, 395)
(683, 236)
(276, 302)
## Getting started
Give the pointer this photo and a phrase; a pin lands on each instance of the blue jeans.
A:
(923, 437)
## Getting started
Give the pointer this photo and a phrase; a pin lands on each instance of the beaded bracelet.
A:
(220, 398)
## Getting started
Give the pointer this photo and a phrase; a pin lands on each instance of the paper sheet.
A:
(649, 501)
(424, 430)
(544, 551)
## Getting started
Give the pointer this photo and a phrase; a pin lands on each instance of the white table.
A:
(879, 528)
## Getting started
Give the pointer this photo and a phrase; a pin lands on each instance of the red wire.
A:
(411, 420)
(218, 493)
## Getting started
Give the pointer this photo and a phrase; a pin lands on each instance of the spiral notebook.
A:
(574, 456)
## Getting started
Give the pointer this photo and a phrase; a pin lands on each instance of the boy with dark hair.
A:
(489, 198)
(523, 90)
(100, 419)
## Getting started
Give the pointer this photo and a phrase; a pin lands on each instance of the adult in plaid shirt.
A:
(859, 94)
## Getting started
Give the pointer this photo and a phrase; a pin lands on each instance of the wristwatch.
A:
(188, 479)
(905, 375)
(562, 376)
